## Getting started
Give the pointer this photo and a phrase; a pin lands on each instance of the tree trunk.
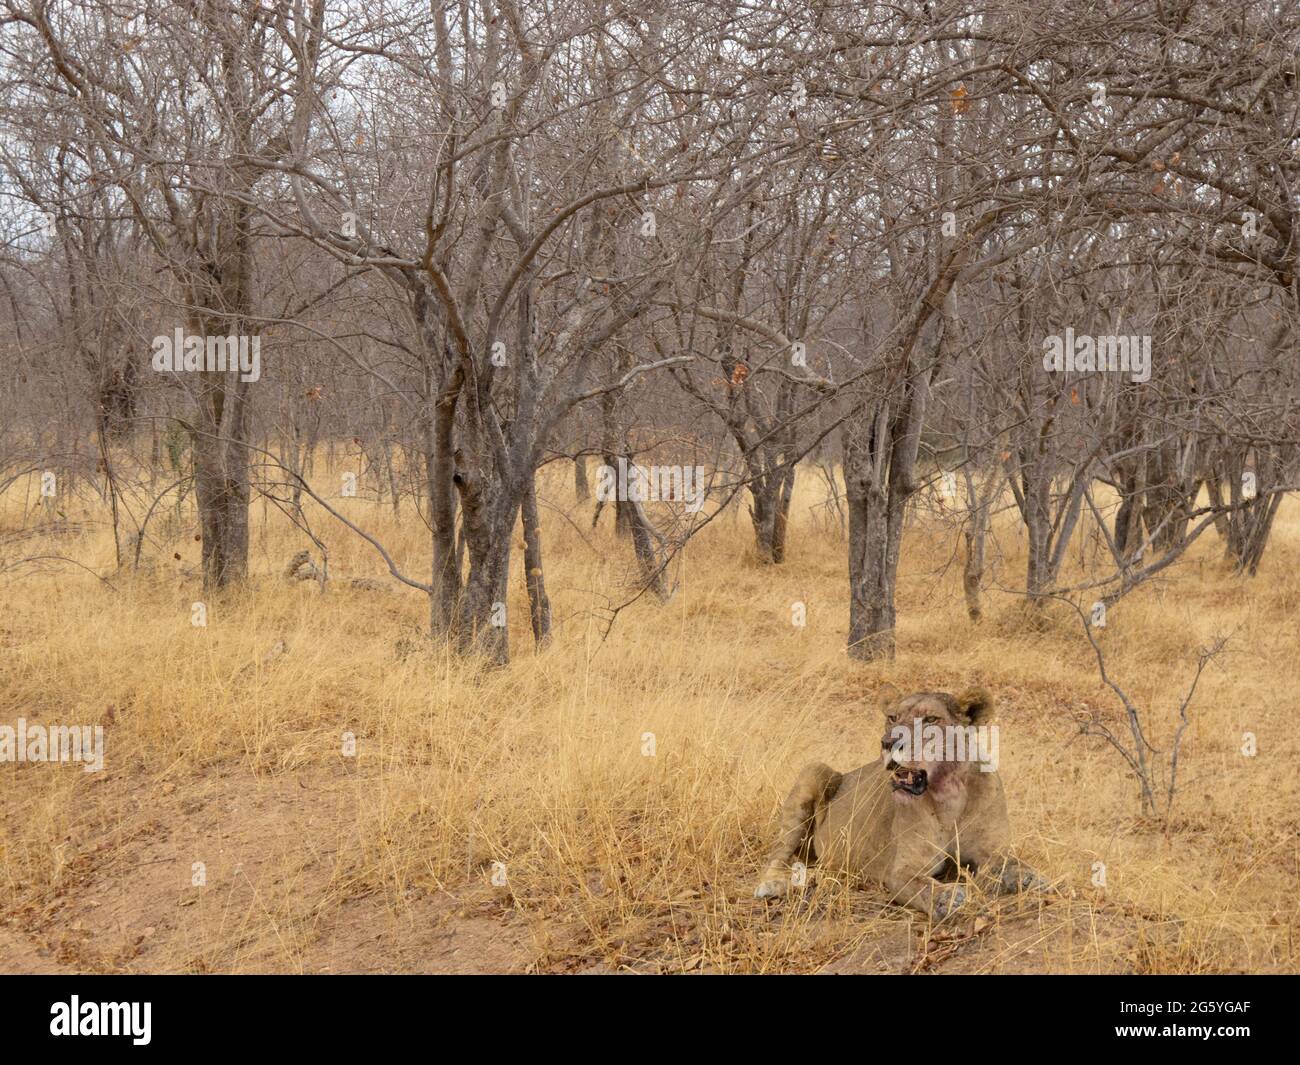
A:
(580, 486)
(879, 475)
(439, 453)
(221, 483)
(980, 507)
(539, 605)
(482, 623)
(770, 492)
(872, 617)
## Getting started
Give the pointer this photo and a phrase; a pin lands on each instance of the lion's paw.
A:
(1022, 879)
(772, 889)
(947, 901)
(1031, 881)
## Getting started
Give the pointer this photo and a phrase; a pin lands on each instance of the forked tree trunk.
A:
(1049, 525)
(879, 474)
(1247, 526)
(880, 449)
(634, 523)
(220, 284)
(770, 493)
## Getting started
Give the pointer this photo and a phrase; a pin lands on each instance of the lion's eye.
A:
(931, 720)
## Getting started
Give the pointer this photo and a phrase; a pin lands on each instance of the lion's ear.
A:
(887, 697)
(977, 705)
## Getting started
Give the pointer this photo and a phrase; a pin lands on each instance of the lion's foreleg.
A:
(815, 785)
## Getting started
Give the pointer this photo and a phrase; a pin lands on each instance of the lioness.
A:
(909, 818)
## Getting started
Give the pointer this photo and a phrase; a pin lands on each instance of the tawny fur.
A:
(851, 825)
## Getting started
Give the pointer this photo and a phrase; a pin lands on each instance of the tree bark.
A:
(539, 605)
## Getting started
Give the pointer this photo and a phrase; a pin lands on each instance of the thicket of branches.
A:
(777, 240)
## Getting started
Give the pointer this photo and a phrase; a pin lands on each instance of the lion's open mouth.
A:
(912, 781)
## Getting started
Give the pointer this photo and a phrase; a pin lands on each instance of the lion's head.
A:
(934, 741)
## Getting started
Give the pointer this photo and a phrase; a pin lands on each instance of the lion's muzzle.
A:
(910, 781)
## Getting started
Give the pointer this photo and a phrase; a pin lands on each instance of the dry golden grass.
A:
(383, 861)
